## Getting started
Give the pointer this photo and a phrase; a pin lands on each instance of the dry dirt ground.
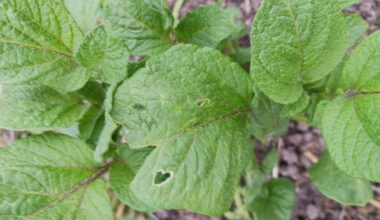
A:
(300, 139)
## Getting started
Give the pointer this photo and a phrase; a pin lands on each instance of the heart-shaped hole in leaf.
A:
(161, 177)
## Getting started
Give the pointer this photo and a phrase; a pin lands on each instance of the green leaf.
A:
(347, 3)
(337, 185)
(39, 108)
(363, 64)
(206, 26)
(243, 55)
(145, 25)
(255, 179)
(105, 137)
(355, 149)
(195, 111)
(93, 121)
(270, 161)
(51, 177)
(104, 55)
(276, 201)
(87, 125)
(316, 111)
(123, 173)
(37, 40)
(93, 92)
(267, 122)
(133, 67)
(351, 142)
(334, 78)
(302, 47)
(85, 12)
(296, 107)
(357, 27)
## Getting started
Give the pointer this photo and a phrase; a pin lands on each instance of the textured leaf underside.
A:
(295, 42)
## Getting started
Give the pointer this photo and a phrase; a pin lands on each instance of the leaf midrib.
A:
(58, 52)
(69, 192)
(297, 33)
(203, 125)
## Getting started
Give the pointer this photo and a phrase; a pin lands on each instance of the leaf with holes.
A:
(145, 25)
(196, 112)
(105, 56)
(52, 177)
(37, 43)
(294, 43)
(351, 122)
(39, 108)
(207, 26)
(337, 185)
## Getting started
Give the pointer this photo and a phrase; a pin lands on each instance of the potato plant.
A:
(174, 129)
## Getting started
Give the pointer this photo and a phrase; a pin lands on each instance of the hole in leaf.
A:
(139, 107)
(136, 30)
(349, 93)
(203, 102)
(161, 177)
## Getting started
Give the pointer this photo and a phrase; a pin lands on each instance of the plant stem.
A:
(177, 8)
(240, 207)
(375, 203)
(311, 157)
